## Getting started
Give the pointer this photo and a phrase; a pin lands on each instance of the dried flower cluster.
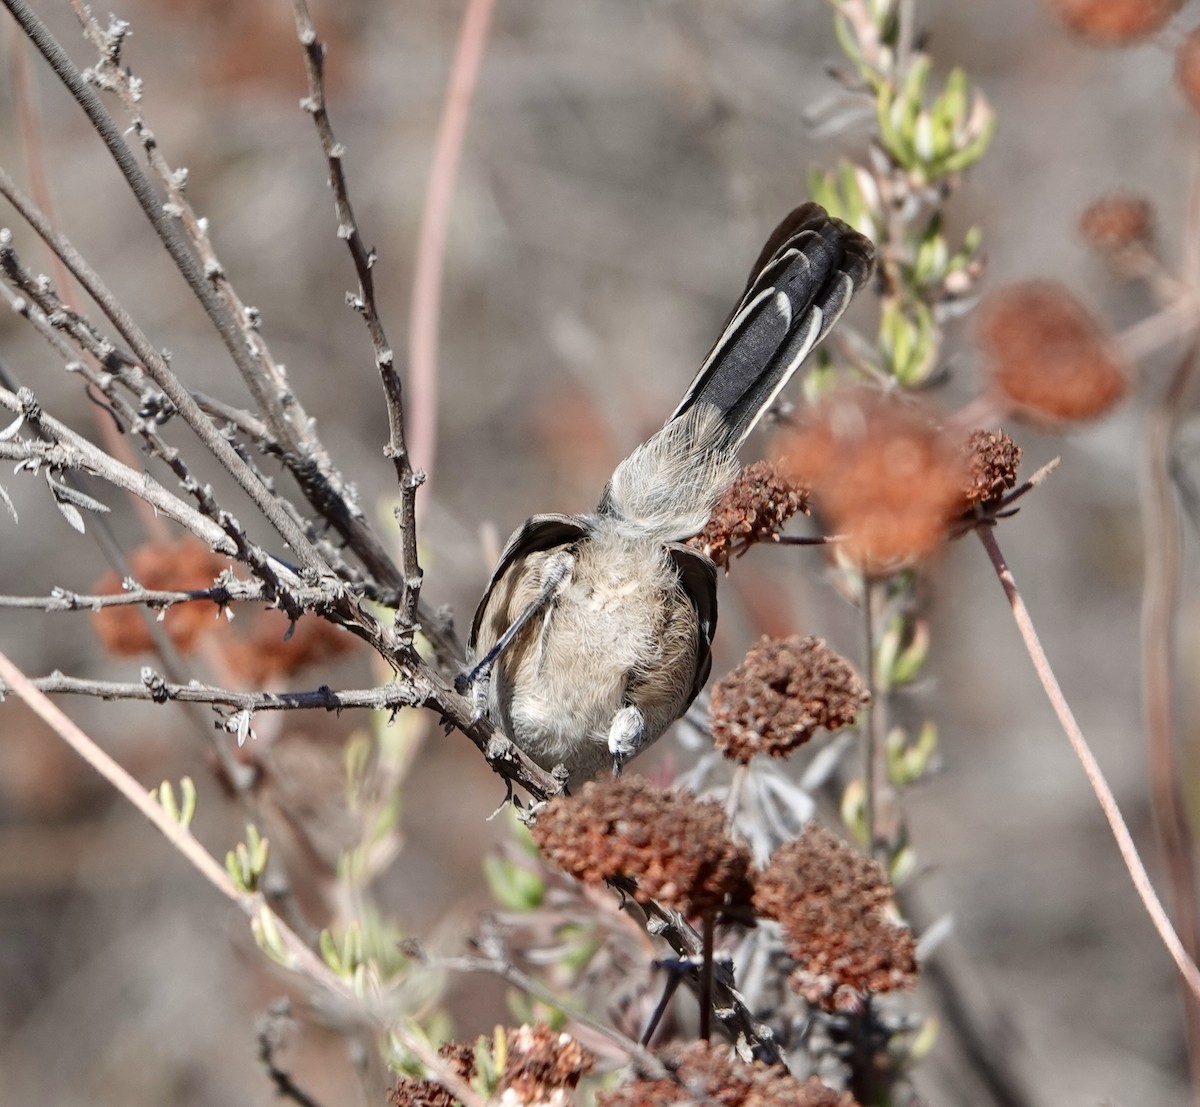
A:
(1116, 22)
(1118, 221)
(886, 476)
(182, 566)
(677, 847)
(709, 1074)
(1049, 358)
(541, 1068)
(832, 903)
(263, 647)
(779, 695)
(992, 461)
(753, 509)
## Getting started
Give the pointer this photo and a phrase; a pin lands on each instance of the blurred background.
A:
(623, 164)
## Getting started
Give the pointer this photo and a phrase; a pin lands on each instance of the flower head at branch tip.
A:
(775, 700)
(753, 509)
(677, 847)
(833, 904)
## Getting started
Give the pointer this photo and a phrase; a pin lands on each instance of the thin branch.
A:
(1091, 768)
(70, 451)
(229, 591)
(749, 1036)
(153, 689)
(33, 146)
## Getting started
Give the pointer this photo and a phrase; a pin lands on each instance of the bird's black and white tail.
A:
(805, 277)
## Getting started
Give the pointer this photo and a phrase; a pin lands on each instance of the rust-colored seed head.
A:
(540, 1066)
(883, 473)
(676, 847)
(1115, 22)
(775, 700)
(1118, 221)
(412, 1091)
(703, 1073)
(831, 903)
(1048, 356)
(992, 460)
(1187, 68)
(753, 509)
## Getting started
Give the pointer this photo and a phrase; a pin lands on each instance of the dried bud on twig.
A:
(1115, 22)
(775, 700)
(753, 509)
(992, 460)
(831, 902)
(883, 472)
(1049, 357)
(678, 848)
(704, 1073)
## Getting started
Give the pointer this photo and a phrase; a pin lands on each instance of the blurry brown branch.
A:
(1160, 603)
(425, 309)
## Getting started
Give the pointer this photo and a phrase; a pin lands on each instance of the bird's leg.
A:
(625, 736)
(478, 677)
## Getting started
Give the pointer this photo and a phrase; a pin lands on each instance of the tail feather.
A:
(809, 270)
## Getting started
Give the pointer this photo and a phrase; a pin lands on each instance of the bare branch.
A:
(67, 450)
(364, 303)
(153, 689)
(162, 375)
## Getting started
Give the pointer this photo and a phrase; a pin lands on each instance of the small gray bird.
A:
(594, 633)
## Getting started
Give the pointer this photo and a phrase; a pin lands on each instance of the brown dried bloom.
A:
(541, 1067)
(775, 700)
(677, 847)
(1115, 22)
(831, 902)
(1049, 357)
(992, 460)
(703, 1073)
(268, 652)
(753, 509)
(1187, 67)
(185, 565)
(1117, 221)
(883, 472)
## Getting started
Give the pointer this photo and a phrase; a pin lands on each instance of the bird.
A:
(595, 631)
